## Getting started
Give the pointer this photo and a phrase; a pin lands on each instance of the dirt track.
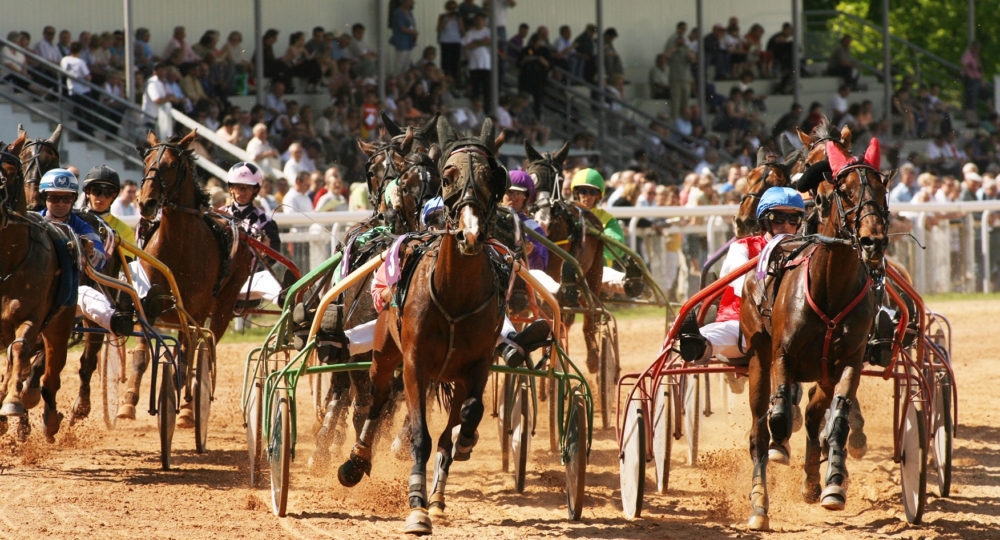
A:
(96, 482)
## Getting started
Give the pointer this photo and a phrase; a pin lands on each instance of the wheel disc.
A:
(662, 436)
(575, 457)
(203, 384)
(942, 436)
(166, 417)
(279, 453)
(692, 416)
(520, 434)
(112, 361)
(253, 420)
(632, 463)
(913, 465)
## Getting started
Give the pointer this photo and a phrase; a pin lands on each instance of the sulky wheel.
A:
(166, 417)
(204, 383)
(663, 417)
(632, 462)
(254, 425)
(520, 431)
(575, 456)
(942, 431)
(279, 451)
(913, 465)
(112, 368)
(607, 376)
(503, 422)
(692, 416)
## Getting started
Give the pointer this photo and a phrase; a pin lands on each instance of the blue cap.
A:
(434, 205)
(780, 198)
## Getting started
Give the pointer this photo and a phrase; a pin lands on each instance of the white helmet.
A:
(245, 172)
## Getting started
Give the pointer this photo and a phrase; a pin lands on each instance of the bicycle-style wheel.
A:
(254, 427)
(913, 465)
(607, 377)
(112, 368)
(203, 389)
(942, 424)
(575, 456)
(503, 422)
(166, 416)
(279, 451)
(520, 432)
(692, 416)
(663, 420)
(632, 462)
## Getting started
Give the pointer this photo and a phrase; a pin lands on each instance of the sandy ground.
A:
(108, 483)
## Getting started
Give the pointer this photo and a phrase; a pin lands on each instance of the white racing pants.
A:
(93, 305)
(362, 336)
(261, 285)
(724, 337)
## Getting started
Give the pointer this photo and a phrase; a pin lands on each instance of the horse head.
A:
(472, 183)
(423, 136)
(546, 171)
(418, 183)
(11, 178)
(385, 160)
(769, 173)
(168, 167)
(853, 197)
(38, 156)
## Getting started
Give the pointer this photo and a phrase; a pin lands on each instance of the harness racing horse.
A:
(174, 205)
(768, 173)
(449, 322)
(33, 302)
(817, 329)
(565, 226)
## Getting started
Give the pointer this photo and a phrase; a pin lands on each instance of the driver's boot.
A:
(535, 335)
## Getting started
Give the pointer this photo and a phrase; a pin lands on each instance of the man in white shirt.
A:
(78, 91)
(47, 47)
(477, 49)
(158, 102)
(274, 103)
(838, 103)
(296, 163)
(125, 205)
(261, 152)
(296, 200)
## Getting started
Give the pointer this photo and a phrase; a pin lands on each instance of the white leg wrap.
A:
(93, 305)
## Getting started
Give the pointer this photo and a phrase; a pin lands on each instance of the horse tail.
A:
(444, 393)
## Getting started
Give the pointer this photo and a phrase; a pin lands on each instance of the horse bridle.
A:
(474, 194)
(762, 181)
(390, 173)
(866, 189)
(34, 160)
(11, 187)
(428, 173)
(154, 173)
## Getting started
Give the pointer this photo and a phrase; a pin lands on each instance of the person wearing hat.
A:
(518, 196)
(58, 190)
(588, 190)
(101, 187)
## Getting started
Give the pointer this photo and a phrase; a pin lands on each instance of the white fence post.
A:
(985, 246)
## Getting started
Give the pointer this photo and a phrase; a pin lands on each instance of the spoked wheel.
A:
(913, 465)
(663, 435)
(520, 431)
(319, 384)
(166, 417)
(607, 376)
(112, 368)
(575, 456)
(503, 422)
(204, 386)
(279, 451)
(942, 424)
(632, 462)
(692, 416)
(254, 416)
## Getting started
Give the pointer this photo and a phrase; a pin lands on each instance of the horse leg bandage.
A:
(440, 481)
(836, 431)
(779, 419)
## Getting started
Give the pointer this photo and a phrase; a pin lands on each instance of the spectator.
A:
(838, 103)
(296, 200)
(468, 11)
(972, 79)
(234, 53)
(274, 103)
(680, 58)
(971, 185)
(261, 152)
(47, 47)
(470, 120)
(683, 123)
(585, 47)
(787, 124)
(943, 156)
(125, 205)
(294, 164)
(780, 47)
(404, 35)
(78, 91)
(84, 40)
(230, 131)
(612, 62)
(15, 63)
(191, 82)
(647, 195)
(517, 43)
(756, 55)
(659, 79)
(989, 191)
(814, 117)
(362, 56)
(65, 40)
(716, 53)
(842, 64)
(737, 47)
(144, 57)
(903, 191)
(178, 41)
(903, 109)
(333, 200)
(157, 102)
(111, 107)
(317, 46)
(534, 76)
(477, 50)
(450, 28)
(565, 52)
(117, 49)
(733, 118)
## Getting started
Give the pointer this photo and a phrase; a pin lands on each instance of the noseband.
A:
(153, 173)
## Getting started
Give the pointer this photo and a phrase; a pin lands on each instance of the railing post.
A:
(633, 227)
(920, 261)
(318, 245)
(985, 247)
(970, 253)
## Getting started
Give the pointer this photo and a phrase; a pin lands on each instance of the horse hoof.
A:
(796, 418)
(462, 449)
(352, 471)
(779, 453)
(834, 498)
(126, 411)
(418, 523)
(81, 409)
(13, 408)
(23, 429)
(759, 522)
(52, 421)
(31, 396)
(436, 511)
(810, 491)
(857, 444)
(185, 419)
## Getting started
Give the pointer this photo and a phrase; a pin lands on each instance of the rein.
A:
(153, 173)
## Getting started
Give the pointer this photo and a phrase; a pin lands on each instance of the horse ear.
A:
(407, 141)
(435, 152)
(845, 136)
(804, 138)
(562, 154)
(487, 135)
(761, 155)
(391, 127)
(20, 130)
(187, 139)
(366, 148)
(56, 135)
(429, 130)
(446, 133)
(532, 154)
(16, 146)
(151, 138)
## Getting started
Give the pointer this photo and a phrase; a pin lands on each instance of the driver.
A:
(588, 190)
(244, 180)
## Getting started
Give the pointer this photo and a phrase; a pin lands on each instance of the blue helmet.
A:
(59, 180)
(780, 198)
(431, 207)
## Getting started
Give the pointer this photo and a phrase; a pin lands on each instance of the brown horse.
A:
(28, 293)
(768, 173)
(186, 243)
(817, 330)
(38, 157)
(564, 224)
(449, 324)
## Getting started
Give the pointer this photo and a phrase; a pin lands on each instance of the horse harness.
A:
(11, 187)
(34, 161)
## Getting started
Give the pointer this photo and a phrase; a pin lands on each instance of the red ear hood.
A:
(839, 160)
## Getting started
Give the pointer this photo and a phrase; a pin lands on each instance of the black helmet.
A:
(102, 175)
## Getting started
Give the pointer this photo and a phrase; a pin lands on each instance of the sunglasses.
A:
(61, 199)
(590, 192)
(102, 192)
(781, 219)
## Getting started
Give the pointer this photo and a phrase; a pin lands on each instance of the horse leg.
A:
(88, 364)
(403, 439)
(185, 416)
(760, 386)
(819, 401)
(857, 441)
(834, 496)
(360, 461)
(55, 334)
(19, 369)
(780, 416)
(330, 433)
(442, 464)
(140, 361)
(418, 522)
(32, 393)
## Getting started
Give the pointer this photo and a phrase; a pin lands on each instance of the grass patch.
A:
(960, 297)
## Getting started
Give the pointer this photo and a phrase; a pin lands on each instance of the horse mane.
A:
(826, 130)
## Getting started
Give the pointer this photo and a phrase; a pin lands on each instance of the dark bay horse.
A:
(769, 172)
(29, 292)
(821, 314)
(447, 329)
(565, 225)
(186, 243)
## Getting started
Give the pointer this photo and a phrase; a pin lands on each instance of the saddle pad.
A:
(393, 266)
(765, 255)
(69, 263)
